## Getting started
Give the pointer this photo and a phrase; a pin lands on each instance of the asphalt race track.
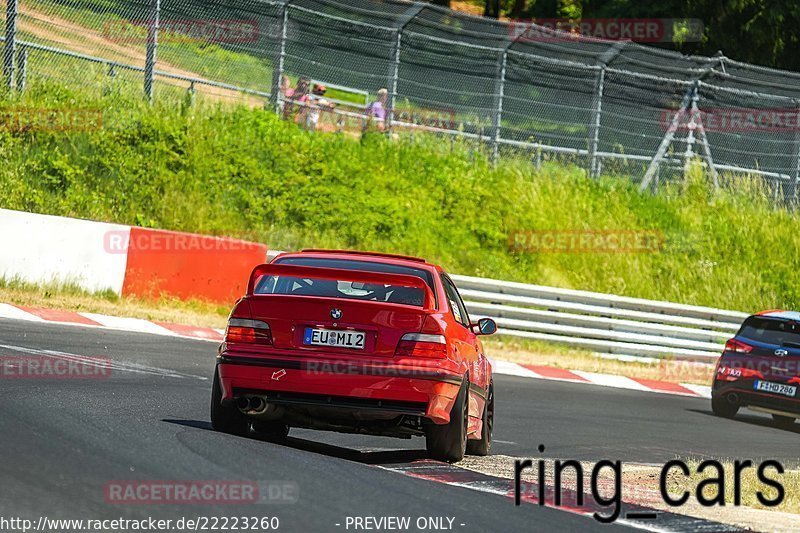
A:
(63, 440)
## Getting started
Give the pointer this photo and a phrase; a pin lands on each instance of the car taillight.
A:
(737, 346)
(422, 345)
(248, 331)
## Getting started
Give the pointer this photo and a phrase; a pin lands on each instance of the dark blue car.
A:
(760, 368)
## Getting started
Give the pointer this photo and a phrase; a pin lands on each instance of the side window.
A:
(456, 304)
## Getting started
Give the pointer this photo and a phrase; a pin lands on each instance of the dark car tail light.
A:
(422, 345)
(737, 346)
(249, 331)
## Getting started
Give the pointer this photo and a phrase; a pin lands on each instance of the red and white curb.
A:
(138, 325)
(95, 320)
(605, 380)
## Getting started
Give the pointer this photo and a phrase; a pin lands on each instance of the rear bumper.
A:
(383, 388)
(742, 393)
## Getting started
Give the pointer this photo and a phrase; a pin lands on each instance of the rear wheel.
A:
(783, 421)
(227, 419)
(483, 446)
(722, 407)
(448, 442)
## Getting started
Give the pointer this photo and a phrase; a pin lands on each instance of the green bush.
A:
(243, 172)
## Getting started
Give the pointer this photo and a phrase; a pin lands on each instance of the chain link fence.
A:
(614, 107)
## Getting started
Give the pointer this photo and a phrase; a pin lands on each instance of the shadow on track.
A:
(752, 420)
(348, 454)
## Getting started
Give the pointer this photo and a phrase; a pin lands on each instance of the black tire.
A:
(722, 407)
(448, 442)
(483, 446)
(223, 418)
(783, 420)
(271, 431)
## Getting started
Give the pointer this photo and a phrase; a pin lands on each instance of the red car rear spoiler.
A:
(338, 274)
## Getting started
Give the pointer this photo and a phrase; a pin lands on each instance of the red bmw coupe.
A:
(356, 342)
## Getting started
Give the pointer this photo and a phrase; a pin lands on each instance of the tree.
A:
(765, 32)
(518, 9)
(758, 31)
(492, 9)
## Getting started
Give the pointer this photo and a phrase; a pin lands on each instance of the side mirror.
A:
(486, 326)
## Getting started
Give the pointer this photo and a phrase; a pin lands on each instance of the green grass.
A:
(242, 172)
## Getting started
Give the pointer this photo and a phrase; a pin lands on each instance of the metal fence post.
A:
(394, 74)
(275, 96)
(500, 89)
(191, 94)
(10, 43)
(703, 137)
(597, 105)
(594, 140)
(652, 169)
(796, 191)
(394, 81)
(22, 68)
(688, 154)
(152, 44)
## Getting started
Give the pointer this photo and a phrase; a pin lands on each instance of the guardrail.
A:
(602, 323)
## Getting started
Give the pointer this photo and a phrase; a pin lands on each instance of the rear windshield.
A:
(771, 331)
(292, 285)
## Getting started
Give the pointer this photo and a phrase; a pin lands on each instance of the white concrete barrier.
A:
(49, 249)
(127, 260)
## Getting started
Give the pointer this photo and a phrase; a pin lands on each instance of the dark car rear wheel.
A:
(227, 419)
(483, 446)
(783, 420)
(722, 407)
(448, 442)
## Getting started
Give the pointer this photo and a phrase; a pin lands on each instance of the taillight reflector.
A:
(737, 346)
(422, 345)
(248, 331)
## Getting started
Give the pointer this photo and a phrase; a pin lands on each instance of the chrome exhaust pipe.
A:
(243, 403)
(254, 405)
(257, 404)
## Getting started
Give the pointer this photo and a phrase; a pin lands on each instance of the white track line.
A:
(512, 369)
(700, 390)
(129, 324)
(608, 380)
